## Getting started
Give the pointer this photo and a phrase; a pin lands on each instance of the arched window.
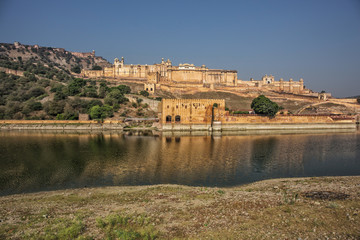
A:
(168, 119)
(177, 118)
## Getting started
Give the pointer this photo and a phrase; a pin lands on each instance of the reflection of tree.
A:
(263, 150)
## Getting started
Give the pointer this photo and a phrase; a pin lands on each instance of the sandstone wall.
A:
(189, 111)
(256, 119)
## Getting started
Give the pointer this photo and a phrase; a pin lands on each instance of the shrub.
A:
(96, 67)
(59, 95)
(34, 106)
(76, 69)
(115, 97)
(124, 89)
(144, 93)
(92, 103)
(89, 91)
(35, 92)
(2, 112)
(75, 86)
(240, 112)
(54, 107)
(139, 100)
(139, 112)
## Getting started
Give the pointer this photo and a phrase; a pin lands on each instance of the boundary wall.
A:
(256, 122)
(60, 125)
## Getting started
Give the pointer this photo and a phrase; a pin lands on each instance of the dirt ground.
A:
(298, 208)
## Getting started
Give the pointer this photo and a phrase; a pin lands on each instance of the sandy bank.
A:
(306, 208)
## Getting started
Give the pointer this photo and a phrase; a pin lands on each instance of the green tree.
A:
(76, 85)
(97, 112)
(89, 91)
(115, 97)
(358, 100)
(76, 69)
(60, 95)
(35, 92)
(92, 103)
(103, 89)
(124, 89)
(54, 107)
(33, 105)
(263, 105)
(69, 113)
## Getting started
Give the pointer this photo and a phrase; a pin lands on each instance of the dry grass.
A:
(308, 208)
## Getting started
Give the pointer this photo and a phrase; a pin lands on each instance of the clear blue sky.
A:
(317, 40)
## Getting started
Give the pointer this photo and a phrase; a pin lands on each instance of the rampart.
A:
(210, 114)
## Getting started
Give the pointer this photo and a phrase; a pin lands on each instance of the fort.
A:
(165, 76)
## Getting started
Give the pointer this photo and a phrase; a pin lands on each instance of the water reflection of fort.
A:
(205, 160)
(57, 160)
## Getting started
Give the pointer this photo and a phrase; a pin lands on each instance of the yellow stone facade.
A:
(203, 114)
(188, 75)
(165, 72)
(191, 111)
(268, 82)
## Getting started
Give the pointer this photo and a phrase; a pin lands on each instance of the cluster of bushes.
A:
(19, 96)
(113, 97)
(36, 68)
(88, 88)
(71, 108)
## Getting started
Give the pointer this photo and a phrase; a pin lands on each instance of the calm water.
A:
(32, 161)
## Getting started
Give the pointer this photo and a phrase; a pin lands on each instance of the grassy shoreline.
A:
(306, 208)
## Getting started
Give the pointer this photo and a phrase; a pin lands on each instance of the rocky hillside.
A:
(10, 54)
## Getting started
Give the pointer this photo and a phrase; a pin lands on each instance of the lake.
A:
(38, 161)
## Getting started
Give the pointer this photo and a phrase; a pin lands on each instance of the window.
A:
(168, 119)
(177, 118)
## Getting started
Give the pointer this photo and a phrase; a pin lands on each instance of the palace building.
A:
(165, 75)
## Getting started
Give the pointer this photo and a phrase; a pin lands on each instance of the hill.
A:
(12, 55)
(43, 83)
